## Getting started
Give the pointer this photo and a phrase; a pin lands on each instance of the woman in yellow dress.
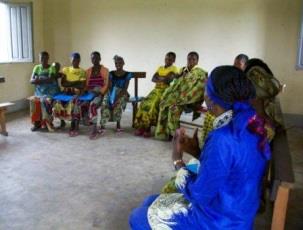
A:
(74, 83)
(147, 114)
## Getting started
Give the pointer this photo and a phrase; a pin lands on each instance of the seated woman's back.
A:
(238, 178)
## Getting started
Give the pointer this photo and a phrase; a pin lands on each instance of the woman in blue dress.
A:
(115, 102)
(222, 189)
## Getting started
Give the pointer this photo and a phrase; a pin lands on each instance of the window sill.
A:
(16, 62)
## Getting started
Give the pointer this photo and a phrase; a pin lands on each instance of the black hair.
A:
(96, 53)
(231, 84)
(117, 58)
(75, 55)
(242, 57)
(43, 53)
(172, 54)
(257, 62)
(193, 53)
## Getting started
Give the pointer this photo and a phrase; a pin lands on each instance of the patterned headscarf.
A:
(266, 85)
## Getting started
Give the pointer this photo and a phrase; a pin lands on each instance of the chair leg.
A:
(2, 122)
(280, 208)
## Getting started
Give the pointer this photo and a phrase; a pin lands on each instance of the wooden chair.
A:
(3, 109)
(136, 99)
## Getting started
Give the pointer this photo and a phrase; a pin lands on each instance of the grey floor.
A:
(51, 181)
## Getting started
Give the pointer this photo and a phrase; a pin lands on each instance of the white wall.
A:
(143, 31)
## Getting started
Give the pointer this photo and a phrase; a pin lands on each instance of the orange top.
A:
(98, 81)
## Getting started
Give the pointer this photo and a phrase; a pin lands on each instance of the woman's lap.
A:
(138, 218)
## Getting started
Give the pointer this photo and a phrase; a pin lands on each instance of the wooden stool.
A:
(3, 107)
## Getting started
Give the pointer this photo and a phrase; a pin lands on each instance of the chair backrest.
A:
(136, 76)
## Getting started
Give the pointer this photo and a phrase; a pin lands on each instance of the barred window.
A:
(16, 32)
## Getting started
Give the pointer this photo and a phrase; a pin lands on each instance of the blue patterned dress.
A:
(224, 194)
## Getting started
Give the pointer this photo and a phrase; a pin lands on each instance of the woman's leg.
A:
(173, 119)
(94, 108)
(161, 128)
(147, 114)
(46, 108)
(76, 116)
(35, 113)
(105, 112)
(117, 111)
(118, 125)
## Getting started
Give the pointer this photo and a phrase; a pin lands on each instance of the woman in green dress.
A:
(147, 114)
(186, 90)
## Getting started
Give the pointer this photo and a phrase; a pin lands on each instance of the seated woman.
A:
(46, 86)
(267, 88)
(222, 191)
(147, 114)
(187, 89)
(97, 82)
(241, 61)
(74, 83)
(115, 103)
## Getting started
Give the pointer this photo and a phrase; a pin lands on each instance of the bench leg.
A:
(2, 122)
(280, 207)
(135, 107)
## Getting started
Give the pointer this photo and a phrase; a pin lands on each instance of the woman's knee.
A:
(138, 219)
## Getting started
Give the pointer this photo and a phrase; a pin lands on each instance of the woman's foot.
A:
(94, 133)
(49, 127)
(35, 128)
(119, 130)
(147, 133)
(139, 132)
(73, 133)
(101, 131)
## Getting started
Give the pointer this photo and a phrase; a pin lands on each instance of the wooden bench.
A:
(133, 100)
(136, 99)
(3, 108)
(281, 176)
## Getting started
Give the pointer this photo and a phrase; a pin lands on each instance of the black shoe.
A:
(35, 128)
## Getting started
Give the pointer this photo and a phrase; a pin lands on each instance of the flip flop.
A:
(73, 133)
(93, 135)
(119, 131)
(101, 131)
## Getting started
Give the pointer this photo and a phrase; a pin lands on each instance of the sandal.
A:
(119, 130)
(73, 133)
(94, 134)
(101, 131)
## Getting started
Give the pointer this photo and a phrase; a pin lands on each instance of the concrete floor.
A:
(51, 181)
